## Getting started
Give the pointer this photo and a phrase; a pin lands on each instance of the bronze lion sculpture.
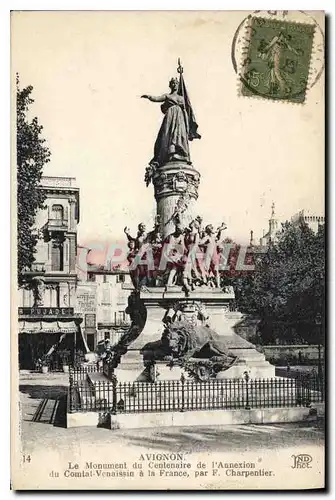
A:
(198, 349)
(184, 340)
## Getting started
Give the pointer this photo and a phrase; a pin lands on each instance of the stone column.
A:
(64, 294)
(71, 217)
(71, 240)
(72, 295)
(66, 265)
(176, 189)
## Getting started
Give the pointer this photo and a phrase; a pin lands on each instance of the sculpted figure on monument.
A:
(155, 236)
(178, 126)
(138, 316)
(130, 257)
(155, 240)
(137, 274)
(192, 255)
(210, 243)
(175, 248)
(140, 237)
(194, 270)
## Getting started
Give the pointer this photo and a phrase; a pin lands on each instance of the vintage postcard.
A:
(168, 284)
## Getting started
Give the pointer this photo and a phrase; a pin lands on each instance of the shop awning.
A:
(48, 327)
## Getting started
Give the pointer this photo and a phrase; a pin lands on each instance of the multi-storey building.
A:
(86, 306)
(55, 258)
(46, 303)
(102, 300)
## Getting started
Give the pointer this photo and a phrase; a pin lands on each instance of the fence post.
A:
(318, 387)
(182, 380)
(71, 394)
(309, 391)
(321, 385)
(246, 377)
(114, 393)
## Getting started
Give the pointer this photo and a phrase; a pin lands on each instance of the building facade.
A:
(86, 307)
(56, 249)
(104, 317)
(313, 221)
(48, 299)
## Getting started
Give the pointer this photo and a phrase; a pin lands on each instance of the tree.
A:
(240, 280)
(32, 155)
(287, 288)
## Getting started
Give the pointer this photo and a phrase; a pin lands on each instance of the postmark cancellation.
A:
(277, 58)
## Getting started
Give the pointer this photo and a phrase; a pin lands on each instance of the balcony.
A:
(38, 267)
(53, 181)
(116, 322)
(57, 224)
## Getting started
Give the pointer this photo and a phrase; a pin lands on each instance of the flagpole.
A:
(180, 70)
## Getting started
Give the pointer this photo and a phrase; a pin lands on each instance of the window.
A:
(57, 212)
(90, 320)
(120, 278)
(107, 335)
(105, 278)
(122, 297)
(57, 256)
(105, 315)
(119, 317)
(90, 277)
(106, 296)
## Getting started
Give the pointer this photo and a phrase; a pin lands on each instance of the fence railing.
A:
(188, 395)
(80, 372)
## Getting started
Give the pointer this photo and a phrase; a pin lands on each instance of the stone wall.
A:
(282, 353)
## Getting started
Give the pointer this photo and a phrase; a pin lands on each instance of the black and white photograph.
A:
(168, 240)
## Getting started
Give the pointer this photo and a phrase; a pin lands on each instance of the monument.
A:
(181, 322)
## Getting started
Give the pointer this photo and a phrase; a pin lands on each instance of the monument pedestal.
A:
(157, 301)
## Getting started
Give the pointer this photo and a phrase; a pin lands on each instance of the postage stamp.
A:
(277, 60)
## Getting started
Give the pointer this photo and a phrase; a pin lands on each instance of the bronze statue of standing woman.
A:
(178, 126)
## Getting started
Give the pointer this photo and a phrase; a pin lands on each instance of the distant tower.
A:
(313, 221)
(273, 223)
(271, 235)
(251, 243)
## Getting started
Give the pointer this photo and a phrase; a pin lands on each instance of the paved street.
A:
(43, 420)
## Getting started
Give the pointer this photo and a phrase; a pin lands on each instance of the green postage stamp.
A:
(277, 59)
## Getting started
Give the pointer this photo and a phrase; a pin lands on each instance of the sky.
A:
(89, 69)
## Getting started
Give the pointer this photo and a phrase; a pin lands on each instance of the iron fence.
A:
(87, 393)
(80, 373)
